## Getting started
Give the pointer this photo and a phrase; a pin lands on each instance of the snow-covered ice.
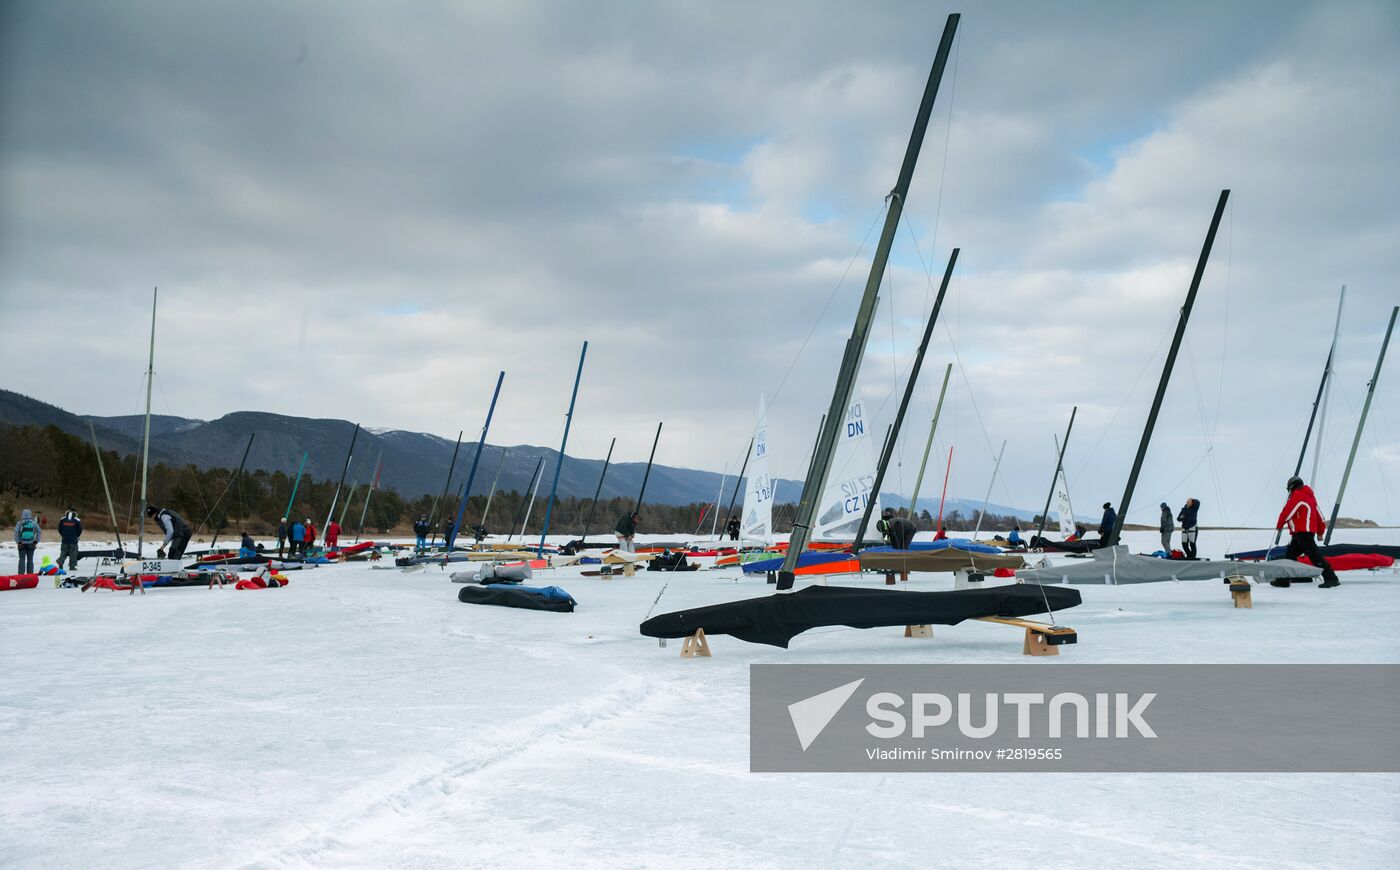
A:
(365, 718)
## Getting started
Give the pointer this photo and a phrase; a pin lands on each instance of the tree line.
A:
(45, 465)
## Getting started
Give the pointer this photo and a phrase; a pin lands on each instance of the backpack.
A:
(28, 532)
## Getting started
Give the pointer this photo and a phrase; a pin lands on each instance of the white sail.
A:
(757, 522)
(1062, 505)
(852, 477)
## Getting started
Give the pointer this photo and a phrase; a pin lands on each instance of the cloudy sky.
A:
(364, 210)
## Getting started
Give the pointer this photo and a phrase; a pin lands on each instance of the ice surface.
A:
(365, 718)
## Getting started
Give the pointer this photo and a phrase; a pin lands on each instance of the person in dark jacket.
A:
(1304, 520)
(897, 531)
(626, 531)
(177, 532)
(282, 532)
(733, 528)
(449, 534)
(479, 532)
(28, 533)
(1167, 528)
(247, 548)
(1187, 518)
(70, 529)
(420, 531)
(1109, 521)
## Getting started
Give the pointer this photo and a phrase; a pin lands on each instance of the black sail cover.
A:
(777, 619)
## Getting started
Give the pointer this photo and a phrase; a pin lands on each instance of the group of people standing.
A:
(1189, 528)
(298, 536)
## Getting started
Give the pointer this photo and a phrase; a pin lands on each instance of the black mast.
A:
(520, 511)
(888, 452)
(647, 474)
(588, 520)
(228, 490)
(728, 514)
(1123, 505)
(1055, 479)
(446, 483)
(348, 454)
(855, 346)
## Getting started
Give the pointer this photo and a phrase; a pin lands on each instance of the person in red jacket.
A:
(310, 538)
(332, 535)
(1304, 520)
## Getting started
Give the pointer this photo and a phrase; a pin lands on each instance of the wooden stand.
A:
(630, 570)
(1041, 639)
(1240, 593)
(889, 577)
(918, 631)
(695, 645)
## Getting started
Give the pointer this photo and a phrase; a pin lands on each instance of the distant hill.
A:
(415, 463)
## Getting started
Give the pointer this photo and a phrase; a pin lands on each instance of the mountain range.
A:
(415, 463)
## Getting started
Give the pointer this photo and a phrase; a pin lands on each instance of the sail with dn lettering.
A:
(757, 523)
(849, 485)
(1062, 505)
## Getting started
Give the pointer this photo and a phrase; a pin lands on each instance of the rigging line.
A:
(169, 409)
(1210, 444)
(1179, 485)
(1147, 364)
(829, 299)
(1282, 457)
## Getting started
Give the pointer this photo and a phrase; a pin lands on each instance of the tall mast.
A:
(295, 484)
(647, 474)
(447, 482)
(476, 459)
(714, 514)
(1360, 425)
(492, 494)
(1167, 369)
(588, 519)
(534, 491)
(947, 473)
(146, 435)
(1055, 478)
(111, 511)
(228, 490)
(738, 481)
(1323, 386)
(888, 453)
(559, 466)
(928, 445)
(987, 500)
(1327, 389)
(520, 511)
(855, 346)
(373, 485)
(348, 454)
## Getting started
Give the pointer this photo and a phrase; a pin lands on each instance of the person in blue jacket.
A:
(296, 539)
(1015, 536)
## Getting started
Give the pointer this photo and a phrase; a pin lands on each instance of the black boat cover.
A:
(524, 597)
(1083, 545)
(777, 619)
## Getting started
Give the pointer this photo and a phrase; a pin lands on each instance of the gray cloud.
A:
(432, 192)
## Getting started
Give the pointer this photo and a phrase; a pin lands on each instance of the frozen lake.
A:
(365, 718)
